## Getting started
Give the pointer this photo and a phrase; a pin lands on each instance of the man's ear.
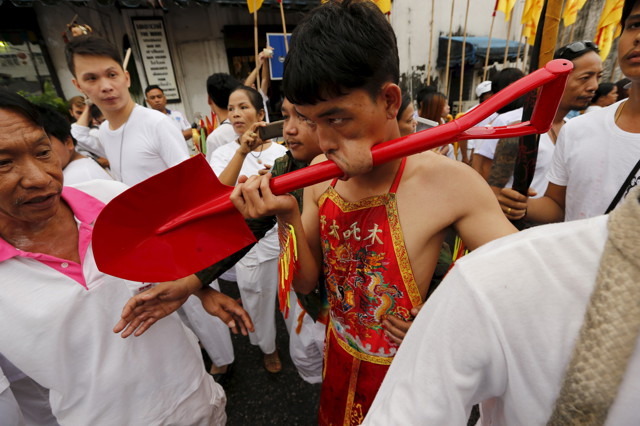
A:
(75, 83)
(68, 143)
(209, 101)
(392, 97)
(126, 74)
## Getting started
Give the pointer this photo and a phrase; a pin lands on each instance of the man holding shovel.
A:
(378, 233)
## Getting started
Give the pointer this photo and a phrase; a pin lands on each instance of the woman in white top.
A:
(257, 272)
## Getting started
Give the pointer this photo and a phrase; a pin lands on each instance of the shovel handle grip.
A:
(552, 78)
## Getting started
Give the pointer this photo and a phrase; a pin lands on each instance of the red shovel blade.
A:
(126, 244)
(182, 221)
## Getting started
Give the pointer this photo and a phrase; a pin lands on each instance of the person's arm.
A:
(253, 198)
(481, 164)
(251, 78)
(170, 143)
(144, 309)
(503, 163)
(546, 209)
(249, 141)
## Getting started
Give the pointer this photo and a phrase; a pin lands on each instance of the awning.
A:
(162, 4)
(476, 50)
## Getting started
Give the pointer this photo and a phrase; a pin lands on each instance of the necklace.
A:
(257, 157)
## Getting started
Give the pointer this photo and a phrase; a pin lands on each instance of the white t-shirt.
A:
(592, 108)
(61, 315)
(222, 135)
(83, 170)
(475, 143)
(178, 120)
(148, 143)
(501, 328)
(268, 247)
(88, 140)
(488, 146)
(592, 159)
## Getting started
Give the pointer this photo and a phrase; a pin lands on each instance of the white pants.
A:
(258, 285)
(307, 347)
(10, 413)
(213, 334)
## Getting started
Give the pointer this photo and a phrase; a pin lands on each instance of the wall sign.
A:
(156, 58)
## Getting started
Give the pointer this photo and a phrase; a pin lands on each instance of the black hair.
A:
(152, 87)
(503, 79)
(406, 100)
(219, 87)
(626, 11)
(55, 124)
(575, 50)
(90, 45)
(339, 46)
(95, 112)
(16, 103)
(603, 90)
(254, 97)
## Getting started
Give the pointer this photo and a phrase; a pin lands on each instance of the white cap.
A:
(483, 88)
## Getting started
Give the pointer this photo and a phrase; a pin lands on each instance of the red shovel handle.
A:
(552, 78)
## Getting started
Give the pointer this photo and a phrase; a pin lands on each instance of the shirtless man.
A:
(377, 249)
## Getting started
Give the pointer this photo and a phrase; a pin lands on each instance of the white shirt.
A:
(592, 159)
(222, 135)
(475, 143)
(488, 147)
(88, 140)
(58, 318)
(178, 119)
(501, 329)
(147, 144)
(83, 170)
(268, 247)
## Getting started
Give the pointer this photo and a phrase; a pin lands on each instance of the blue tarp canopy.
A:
(476, 50)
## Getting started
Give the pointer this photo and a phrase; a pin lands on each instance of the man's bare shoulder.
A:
(318, 189)
(434, 170)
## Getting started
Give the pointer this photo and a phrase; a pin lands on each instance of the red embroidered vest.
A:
(367, 276)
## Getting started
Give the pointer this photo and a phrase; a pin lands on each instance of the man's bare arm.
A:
(503, 162)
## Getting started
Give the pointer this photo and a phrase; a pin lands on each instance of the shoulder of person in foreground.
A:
(101, 189)
(477, 306)
(463, 197)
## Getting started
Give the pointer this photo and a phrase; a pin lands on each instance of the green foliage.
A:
(48, 97)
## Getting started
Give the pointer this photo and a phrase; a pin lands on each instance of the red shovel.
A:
(181, 221)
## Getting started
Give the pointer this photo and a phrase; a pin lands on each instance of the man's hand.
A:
(253, 198)
(227, 309)
(144, 309)
(396, 328)
(514, 204)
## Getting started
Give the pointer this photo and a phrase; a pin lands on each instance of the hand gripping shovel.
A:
(181, 221)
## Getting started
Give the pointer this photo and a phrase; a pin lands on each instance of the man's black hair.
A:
(90, 45)
(575, 50)
(503, 79)
(339, 46)
(219, 87)
(16, 103)
(152, 87)
(626, 11)
(95, 112)
(55, 124)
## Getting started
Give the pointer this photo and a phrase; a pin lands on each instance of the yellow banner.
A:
(254, 5)
(505, 6)
(571, 10)
(531, 18)
(609, 26)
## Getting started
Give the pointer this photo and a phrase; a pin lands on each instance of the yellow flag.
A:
(254, 5)
(531, 18)
(505, 7)
(384, 5)
(571, 9)
(609, 26)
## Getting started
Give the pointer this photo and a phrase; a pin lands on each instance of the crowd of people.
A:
(535, 326)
